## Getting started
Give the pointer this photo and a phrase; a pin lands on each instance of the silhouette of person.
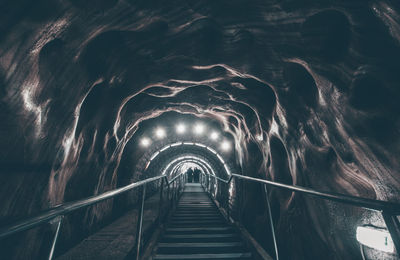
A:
(196, 175)
(189, 173)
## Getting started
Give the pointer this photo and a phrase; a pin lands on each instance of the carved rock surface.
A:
(307, 92)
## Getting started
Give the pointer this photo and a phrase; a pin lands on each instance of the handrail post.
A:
(160, 203)
(228, 203)
(183, 181)
(178, 187)
(53, 245)
(208, 184)
(182, 184)
(140, 221)
(169, 194)
(179, 184)
(218, 191)
(393, 226)
(172, 192)
(175, 188)
(212, 184)
(271, 222)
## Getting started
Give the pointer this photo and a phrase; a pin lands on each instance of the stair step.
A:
(199, 204)
(196, 215)
(195, 218)
(184, 213)
(196, 204)
(197, 230)
(194, 229)
(194, 224)
(195, 201)
(207, 245)
(205, 256)
(200, 236)
(200, 247)
(196, 210)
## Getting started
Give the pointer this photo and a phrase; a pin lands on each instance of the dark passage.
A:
(197, 230)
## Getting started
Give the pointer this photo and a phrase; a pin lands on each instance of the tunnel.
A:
(259, 129)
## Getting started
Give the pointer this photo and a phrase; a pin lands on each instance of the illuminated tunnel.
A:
(96, 96)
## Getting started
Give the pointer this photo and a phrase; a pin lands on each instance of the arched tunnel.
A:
(287, 109)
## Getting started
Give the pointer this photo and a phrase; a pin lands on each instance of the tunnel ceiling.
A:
(307, 91)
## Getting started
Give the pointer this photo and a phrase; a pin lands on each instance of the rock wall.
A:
(308, 90)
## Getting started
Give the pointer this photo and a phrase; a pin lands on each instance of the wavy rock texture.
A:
(308, 90)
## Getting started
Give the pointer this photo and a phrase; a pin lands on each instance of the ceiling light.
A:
(214, 135)
(259, 137)
(180, 128)
(199, 129)
(376, 238)
(145, 142)
(160, 133)
(225, 146)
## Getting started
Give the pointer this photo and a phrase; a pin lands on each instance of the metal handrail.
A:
(58, 212)
(389, 210)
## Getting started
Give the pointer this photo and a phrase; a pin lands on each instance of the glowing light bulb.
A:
(214, 135)
(199, 129)
(160, 133)
(180, 128)
(225, 146)
(145, 142)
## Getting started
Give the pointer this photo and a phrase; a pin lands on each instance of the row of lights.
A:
(198, 129)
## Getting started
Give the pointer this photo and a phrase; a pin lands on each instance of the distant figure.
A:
(190, 175)
(196, 175)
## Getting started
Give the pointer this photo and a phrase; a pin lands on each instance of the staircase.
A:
(197, 230)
